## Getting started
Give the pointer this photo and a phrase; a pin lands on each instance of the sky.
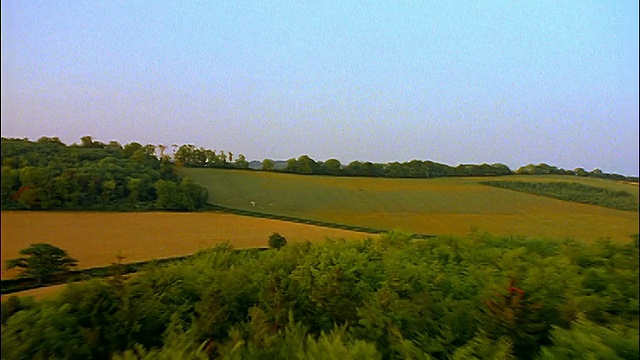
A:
(447, 81)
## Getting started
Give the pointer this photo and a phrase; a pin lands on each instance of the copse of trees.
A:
(47, 174)
(192, 156)
(542, 169)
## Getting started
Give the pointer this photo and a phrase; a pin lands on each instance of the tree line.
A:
(477, 297)
(426, 169)
(192, 156)
(47, 174)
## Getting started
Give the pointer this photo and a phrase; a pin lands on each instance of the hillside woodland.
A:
(47, 174)
(477, 297)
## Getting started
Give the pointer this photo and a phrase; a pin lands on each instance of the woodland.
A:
(473, 297)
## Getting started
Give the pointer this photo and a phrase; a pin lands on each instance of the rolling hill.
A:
(428, 206)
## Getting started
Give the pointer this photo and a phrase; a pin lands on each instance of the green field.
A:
(429, 206)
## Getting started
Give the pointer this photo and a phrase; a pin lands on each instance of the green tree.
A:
(241, 162)
(277, 241)
(42, 261)
(333, 167)
(267, 164)
(292, 165)
(306, 165)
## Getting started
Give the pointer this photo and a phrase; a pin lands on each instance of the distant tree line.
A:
(425, 169)
(47, 174)
(191, 156)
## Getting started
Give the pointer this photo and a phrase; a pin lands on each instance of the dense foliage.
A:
(410, 169)
(277, 241)
(48, 174)
(571, 191)
(445, 298)
(427, 169)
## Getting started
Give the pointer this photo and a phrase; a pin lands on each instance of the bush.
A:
(277, 241)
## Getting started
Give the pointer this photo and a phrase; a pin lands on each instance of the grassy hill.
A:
(428, 206)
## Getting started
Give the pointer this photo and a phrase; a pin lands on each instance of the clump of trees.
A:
(192, 156)
(47, 174)
(543, 168)
(394, 297)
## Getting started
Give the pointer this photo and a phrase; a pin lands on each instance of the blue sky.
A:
(452, 82)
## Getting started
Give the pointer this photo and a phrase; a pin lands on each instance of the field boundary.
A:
(573, 192)
(361, 229)
(10, 286)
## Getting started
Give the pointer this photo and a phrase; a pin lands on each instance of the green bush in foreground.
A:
(394, 298)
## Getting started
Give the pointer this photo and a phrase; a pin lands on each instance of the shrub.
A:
(277, 241)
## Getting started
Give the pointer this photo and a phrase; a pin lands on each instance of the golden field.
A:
(96, 238)
(39, 293)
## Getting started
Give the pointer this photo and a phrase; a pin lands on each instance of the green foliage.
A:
(47, 174)
(267, 165)
(591, 341)
(571, 191)
(277, 241)
(185, 196)
(42, 261)
(478, 297)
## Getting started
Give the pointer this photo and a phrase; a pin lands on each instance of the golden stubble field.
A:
(96, 238)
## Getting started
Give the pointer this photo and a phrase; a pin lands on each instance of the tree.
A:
(306, 165)
(277, 241)
(241, 162)
(86, 141)
(42, 261)
(333, 167)
(267, 164)
(292, 165)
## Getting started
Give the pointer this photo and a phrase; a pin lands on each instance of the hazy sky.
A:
(453, 82)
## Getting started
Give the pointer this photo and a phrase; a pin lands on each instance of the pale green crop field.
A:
(430, 206)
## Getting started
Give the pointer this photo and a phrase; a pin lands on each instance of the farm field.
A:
(39, 293)
(429, 206)
(96, 238)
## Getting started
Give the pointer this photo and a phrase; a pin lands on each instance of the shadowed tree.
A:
(42, 261)
(277, 241)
